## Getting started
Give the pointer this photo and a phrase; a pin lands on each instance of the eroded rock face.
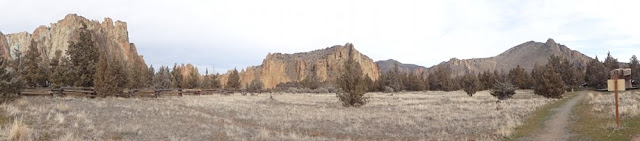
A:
(107, 35)
(4, 47)
(279, 68)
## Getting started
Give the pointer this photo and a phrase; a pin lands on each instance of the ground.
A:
(400, 116)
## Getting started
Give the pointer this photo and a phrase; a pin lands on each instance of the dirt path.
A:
(555, 126)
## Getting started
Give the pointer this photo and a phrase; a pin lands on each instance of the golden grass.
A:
(595, 117)
(19, 131)
(403, 116)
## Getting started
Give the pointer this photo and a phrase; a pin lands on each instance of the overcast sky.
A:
(240, 33)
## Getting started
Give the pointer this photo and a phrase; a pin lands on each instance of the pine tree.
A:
(634, 64)
(311, 81)
(58, 70)
(215, 82)
(352, 84)
(10, 82)
(255, 85)
(149, 78)
(471, 84)
(551, 85)
(596, 75)
(503, 90)
(518, 77)
(83, 56)
(233, 82)
(110, 76)
(611, 63)
(162, 78)
(193, 79)
(176, 76)
(34, 73)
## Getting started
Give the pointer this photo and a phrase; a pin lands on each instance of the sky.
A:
(222, 35)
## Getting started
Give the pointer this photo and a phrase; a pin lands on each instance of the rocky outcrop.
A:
(279, 68)
(525, 55)
(108, 35)
(4, 47)
(388, 65)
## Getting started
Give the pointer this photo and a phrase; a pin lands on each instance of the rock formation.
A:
(279, 68)
(387, 65)
(525, 55)
(108, 35)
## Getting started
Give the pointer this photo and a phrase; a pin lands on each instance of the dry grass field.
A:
(401, 116)
(595, 117)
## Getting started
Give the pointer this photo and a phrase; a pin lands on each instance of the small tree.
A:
(255, 85)
(503, 90)
(83, 57)
(10, 82)
(549, 84)
(634, 64)
(176, 76)
(193, 80)
(597, 74)
(34, 73)
(162, 78)
(352, 83)
(110, 76)
(233, 82)
(471, 84)
(58, 70)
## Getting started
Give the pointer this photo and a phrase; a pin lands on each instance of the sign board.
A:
(610, 85)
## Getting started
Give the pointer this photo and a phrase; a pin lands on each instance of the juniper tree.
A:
(58, 70)
(255, 85)
(352, 84)
(10, 82)
(503, 90)
(35, 73)
(176, 76)
(596, 75)
(233, 81)
(162, 78)
(83, 55)
(634, 64)
(470, 84)
(149, 78)
(110, 76)
(611, 63)
(193, 80)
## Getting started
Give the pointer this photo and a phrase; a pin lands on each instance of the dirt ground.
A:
(556, 126)
(399, 116)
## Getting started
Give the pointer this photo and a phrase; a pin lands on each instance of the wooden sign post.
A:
(615, 79)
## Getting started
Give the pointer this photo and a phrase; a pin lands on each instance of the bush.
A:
(503, 90)
(388, 89)
(470, 84)
(352, 83)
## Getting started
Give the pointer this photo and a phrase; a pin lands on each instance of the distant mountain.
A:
(279, 68)
(525, 55)
(388, 65)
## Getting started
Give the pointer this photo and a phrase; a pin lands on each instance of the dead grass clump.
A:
(62, 107)
(19, 131)
(21, 102)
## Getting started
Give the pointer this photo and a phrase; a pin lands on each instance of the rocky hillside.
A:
(56, 36)
(387, 65)
(525, 55)
(326, 63)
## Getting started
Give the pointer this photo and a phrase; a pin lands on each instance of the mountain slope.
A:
(326, 63)
(387, 65)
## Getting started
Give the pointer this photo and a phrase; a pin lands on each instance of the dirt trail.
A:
(556, 126)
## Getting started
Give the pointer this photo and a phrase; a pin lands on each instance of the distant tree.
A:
(255, 85)
(10, 82)
(488, 80)
(635, 69)
(35, 73)
(233, 82)
(549, 83)
(352, 84)
(149, 78)
(83, 56)
(413, 82)
(311, 81)
(611, 63)
(596, 75)
(206, 80)
(395, 78)
(518, 77)
(470, 84)
(503, 90)
(110, 76)
(441, 80)
(215, 82)
(193, 79)
(176, 76)
(136, 76)
(58, 68)
(162, 78)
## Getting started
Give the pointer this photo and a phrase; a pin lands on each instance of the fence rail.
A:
(91, 92)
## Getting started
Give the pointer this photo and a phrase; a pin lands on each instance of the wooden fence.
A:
(91, 92)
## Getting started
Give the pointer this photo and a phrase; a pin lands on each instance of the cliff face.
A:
(326, 63)
(4, 47)
(525, 55)
(107, 35)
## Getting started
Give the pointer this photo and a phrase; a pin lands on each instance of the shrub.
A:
(388, 89)
(471, 84)
(503, 90)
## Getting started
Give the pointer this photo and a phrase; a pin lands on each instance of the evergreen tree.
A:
(518, 77)
(176, 76)
(503, 90)
(215, 82)
(550, 84)
(83, 56)
(58, 70)
(596, 75)
(352, 84)
(162, 78)
(611, 63)
(233, 82)
(635, 69)
(34, 73)
(10, 82)
(110, 76)
(193, 79)
(394, 79)
(255, 85)
(149, 78)
(311, 81)
(470, 84)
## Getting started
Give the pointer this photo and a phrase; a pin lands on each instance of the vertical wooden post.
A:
(615, 84)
